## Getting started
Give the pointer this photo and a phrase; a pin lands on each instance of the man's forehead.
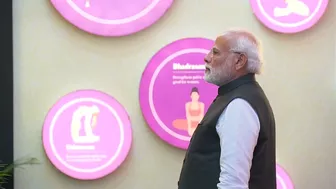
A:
(221, 42)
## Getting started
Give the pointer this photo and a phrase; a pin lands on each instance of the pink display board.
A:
(173, 86)
(112, 17)
(283, 179)
(289, 16)
(87, 134)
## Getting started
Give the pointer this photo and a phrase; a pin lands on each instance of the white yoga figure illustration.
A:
(89, 113)
(87, 3)
(293, 7)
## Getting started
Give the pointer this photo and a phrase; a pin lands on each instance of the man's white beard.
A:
(219, 76)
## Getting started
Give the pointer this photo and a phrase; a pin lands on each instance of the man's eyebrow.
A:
(215, 48)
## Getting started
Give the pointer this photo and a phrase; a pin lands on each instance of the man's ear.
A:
(241, 61)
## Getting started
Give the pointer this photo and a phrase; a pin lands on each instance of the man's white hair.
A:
(250, 46)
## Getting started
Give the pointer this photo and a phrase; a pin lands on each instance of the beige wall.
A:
(53, 58)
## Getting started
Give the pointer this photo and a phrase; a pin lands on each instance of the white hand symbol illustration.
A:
(293, 7)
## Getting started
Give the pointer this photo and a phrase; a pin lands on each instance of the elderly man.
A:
(233, 146)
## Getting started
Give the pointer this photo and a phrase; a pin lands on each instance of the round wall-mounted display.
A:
(283, 179)
(87, 134)
(112, 17)
(173, 94)
(289, 16)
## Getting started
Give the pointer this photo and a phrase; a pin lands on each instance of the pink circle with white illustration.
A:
(289, 16)
(112, 17)
(283, 179)
(172, 86)
(87, 134)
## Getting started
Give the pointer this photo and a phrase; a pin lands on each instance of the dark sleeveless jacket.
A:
(201, 167)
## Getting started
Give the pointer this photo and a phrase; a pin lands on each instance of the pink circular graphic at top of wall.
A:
(112, 17)
(289, 16)
(283, 179)
(173, 94)
(87, 134)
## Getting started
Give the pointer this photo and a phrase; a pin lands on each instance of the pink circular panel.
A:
(87, 134)
(112, 17)
(289, 16)
(172, 86)
(283, 179)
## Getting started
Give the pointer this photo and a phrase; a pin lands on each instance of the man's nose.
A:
(207, 58)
